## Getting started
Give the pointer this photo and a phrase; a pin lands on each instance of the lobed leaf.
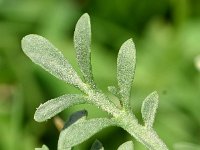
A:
(149, 107)
(81, 131)
(44, 147)
(97, 145)
(126, 146)
(56, 105)
(125, 69)
(43, 53)
(82, 42)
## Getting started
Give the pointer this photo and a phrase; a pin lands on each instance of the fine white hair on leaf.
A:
(43, 53)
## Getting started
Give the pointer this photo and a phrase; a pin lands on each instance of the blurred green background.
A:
(167, 37)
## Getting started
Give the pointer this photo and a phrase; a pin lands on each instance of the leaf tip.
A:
(155, 94)
(130, 42)
(28, 42)
(85, 15)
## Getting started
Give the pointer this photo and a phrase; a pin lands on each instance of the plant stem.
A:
(146, 136)
(102, 101)
(127, 120)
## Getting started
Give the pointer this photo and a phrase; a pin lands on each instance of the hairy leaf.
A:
(55, 106)
(149, 107)
(43, 53)
(44, 147)
(125, 69)
(82, 42)
(126, 146)
(97, 145)
(81, 131)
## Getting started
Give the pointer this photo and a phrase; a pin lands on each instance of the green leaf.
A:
(125, 69)
(55, 106)
(81, 131)
(82, 42)
(43, 53)
(97, 145)
(126, 146)
(149, 107)
(44, 147)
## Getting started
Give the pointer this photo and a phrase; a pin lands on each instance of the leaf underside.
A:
(81, 131)
(149, 107)
(54, 106)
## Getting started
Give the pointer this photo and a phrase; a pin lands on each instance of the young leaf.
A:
(81, 131)
(55, 106)
(149, 107)
(82, 42)
(125, 69)
(126, 146)
(44, 147)
(97, 145)
(43, 53)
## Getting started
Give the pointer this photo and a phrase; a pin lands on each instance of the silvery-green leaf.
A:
(81, 131)
(82, 42)
(44, 147)
(54, 106)
(43, 53)
(97, 145)
(126, 146)
(149, 107)
(125, 69)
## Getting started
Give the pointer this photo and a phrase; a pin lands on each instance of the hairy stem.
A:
(102, 101)
(127, 121)
(146, 136)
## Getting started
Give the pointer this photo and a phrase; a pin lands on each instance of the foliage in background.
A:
(167, 36)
